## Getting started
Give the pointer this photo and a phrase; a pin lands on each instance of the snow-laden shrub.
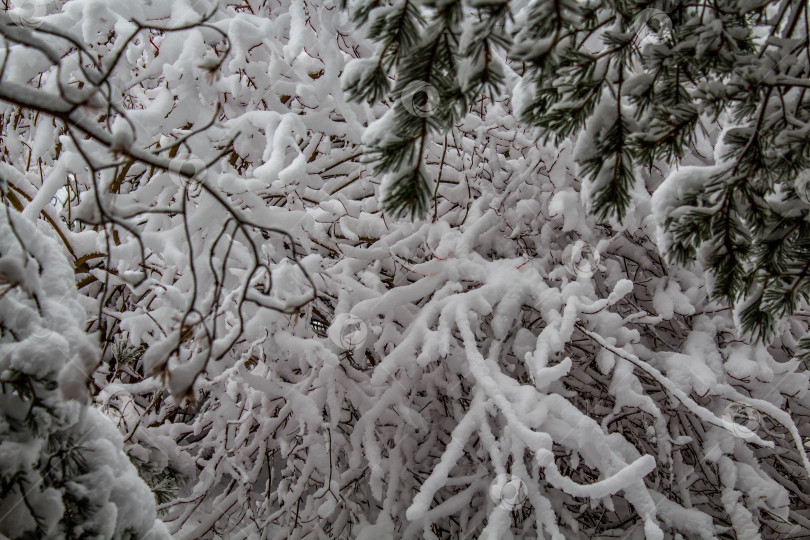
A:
(505, 368)
(63, 471)
(510, 369)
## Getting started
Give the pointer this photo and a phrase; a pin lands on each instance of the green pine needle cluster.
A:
(745, 62)
(165, 482)
(421, 47)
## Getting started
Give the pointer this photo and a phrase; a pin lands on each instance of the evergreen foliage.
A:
(63, 471)
(642, 82)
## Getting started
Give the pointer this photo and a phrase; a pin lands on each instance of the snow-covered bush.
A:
(63, 470)
(499, 353)
(505, 368)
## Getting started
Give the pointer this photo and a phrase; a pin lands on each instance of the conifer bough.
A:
(638, 84)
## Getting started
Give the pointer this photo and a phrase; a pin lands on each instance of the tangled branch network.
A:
(284, 361)
(133, 170)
